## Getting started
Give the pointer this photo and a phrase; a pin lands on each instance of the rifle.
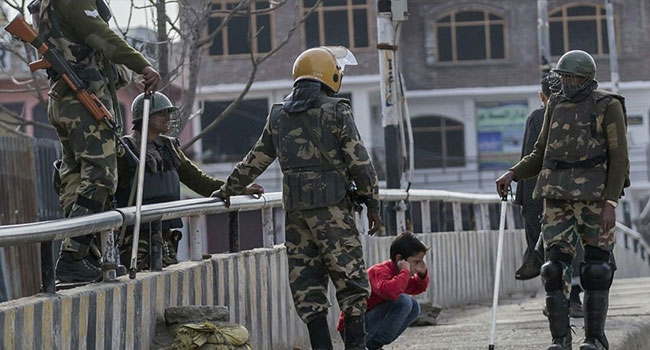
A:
(53, 58)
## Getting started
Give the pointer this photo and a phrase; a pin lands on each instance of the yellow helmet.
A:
(323, 64)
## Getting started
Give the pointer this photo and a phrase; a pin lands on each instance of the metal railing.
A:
(108, 222)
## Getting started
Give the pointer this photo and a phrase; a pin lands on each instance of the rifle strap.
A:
(117, 113)
(321, 148)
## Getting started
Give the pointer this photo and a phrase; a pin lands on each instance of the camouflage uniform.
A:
(573, 195)
(166, 168)
(582, 160)
(88, 176)
(321, 237)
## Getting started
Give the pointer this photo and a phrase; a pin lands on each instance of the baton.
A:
(138, 197)
(497, 274)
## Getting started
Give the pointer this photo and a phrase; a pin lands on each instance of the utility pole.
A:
(163, 41)
(611, 36)
(543, 41)
(390, 13)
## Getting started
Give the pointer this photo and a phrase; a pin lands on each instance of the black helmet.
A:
(159, 103)
(577, 62)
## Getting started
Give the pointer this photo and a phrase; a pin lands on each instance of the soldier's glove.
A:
(224, 197)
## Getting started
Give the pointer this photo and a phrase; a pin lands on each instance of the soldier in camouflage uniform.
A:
(582, 161)
(166, 168)
(321, 237)
(88, 171)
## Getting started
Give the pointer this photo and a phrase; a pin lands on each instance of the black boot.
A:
(530, 267)
(558, 319)
(76, 263)
(319, 334)
(355, 332)
(595, 306)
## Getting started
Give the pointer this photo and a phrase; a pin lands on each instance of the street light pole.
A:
(543, 41)
(613, 55)
(389, 15)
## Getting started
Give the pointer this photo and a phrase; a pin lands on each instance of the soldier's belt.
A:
(554, 164)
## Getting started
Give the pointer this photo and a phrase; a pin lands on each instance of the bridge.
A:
(122, 313)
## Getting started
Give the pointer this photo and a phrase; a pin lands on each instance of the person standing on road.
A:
(323, 159)
(582, 160)
(531, 209)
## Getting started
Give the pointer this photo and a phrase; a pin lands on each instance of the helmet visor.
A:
(343, 56)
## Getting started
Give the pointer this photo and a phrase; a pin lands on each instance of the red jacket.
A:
(387, 285)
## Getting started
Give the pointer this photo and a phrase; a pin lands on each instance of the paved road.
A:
(521, 325)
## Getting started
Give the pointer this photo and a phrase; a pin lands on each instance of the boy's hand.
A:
(422, 270)
(404, 265)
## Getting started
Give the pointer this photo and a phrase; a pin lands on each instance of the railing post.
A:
(267, 227)
(233, 231)
(109, 256)
(400, 217)
(425, 213)
(458, 216)
(485, 216)
(196, 248)
(47, 268)
(510, 217)
(155, 246)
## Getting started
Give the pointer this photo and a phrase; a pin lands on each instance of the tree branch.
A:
(251, 78)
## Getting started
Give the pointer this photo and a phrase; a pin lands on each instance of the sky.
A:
(140, 17)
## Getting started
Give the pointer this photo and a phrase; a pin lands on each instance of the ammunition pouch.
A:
(313, 189)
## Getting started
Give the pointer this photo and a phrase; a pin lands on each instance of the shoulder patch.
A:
(92, 14)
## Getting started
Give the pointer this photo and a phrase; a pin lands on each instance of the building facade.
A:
(470, 68)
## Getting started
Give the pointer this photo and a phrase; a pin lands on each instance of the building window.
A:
(337, 22)
(233, 38)
(578, 27)
(439, 142)
(236, 134)
(470, 35)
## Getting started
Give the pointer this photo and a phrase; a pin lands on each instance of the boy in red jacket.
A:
(390, 307)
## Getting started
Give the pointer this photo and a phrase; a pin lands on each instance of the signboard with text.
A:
(500, 127)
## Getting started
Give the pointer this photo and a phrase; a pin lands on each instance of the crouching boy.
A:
(390, 307)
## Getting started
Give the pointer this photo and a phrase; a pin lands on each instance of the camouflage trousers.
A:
(568, 223)
(170, 239)
(89, 166)
(324, 244)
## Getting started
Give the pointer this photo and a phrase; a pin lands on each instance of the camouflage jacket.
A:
(85, 38)
(581, 153)
(307, 174)
(188, 173)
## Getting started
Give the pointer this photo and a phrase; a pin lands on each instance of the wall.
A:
(254, 285)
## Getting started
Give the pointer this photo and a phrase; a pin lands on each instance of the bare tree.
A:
(23, 54)
(256, 61)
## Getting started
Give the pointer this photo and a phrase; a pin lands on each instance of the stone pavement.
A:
(521, 324)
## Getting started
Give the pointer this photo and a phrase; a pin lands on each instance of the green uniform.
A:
(88, 171)
(166, 167)
(321, 237)
(591, 131)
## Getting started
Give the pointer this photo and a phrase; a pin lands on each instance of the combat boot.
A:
(76, 264)
(319, 334)
(557, 306)
(355, 332)
(596, 303)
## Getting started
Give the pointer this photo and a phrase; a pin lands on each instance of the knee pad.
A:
(552, 275)
(597, 273)
(552, 271)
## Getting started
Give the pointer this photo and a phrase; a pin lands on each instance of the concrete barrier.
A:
(254, 285)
